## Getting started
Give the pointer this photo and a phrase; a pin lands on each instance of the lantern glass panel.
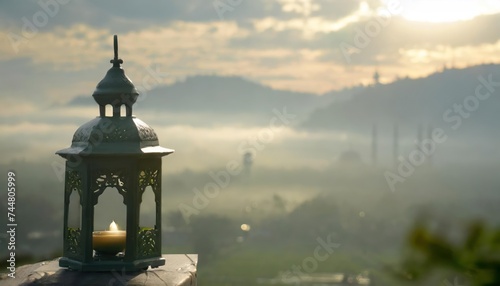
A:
(110, 208)
(109, 235)
(147, 218)
(74, 211)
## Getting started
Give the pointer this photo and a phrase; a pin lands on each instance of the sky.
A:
(52, 51)
(62, 47)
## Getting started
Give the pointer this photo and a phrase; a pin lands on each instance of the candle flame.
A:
(113, 226)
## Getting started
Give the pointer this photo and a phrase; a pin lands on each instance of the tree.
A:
(476, 257)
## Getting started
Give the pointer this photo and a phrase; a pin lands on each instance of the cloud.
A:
(132, 15)
(288, 44)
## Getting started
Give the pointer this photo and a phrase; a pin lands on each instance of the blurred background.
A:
(368, 125)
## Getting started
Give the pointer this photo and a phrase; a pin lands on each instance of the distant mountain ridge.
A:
(223, 94)
(409, 102)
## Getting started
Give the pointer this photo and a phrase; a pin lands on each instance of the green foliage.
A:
(476, 256)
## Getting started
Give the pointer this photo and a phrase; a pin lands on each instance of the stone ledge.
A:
(179, 270)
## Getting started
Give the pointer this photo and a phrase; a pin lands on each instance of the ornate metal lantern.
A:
(113, 151)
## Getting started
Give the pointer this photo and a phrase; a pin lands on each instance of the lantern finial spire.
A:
(116, 61)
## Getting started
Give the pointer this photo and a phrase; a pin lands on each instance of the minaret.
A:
(376, 78)
(418, 142)
(247, 163)
(374, 145)
(396, 145)
(429, 136)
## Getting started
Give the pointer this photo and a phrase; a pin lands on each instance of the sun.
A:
(442, 11)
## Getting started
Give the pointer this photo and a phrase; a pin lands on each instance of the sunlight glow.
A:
(440, 11)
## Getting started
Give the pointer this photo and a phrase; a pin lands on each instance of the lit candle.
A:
(109, 241)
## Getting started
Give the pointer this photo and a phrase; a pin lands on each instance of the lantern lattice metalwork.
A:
(112, 151)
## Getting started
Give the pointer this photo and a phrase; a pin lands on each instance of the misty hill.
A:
(410, 102)
(228, 95)
(224, 96)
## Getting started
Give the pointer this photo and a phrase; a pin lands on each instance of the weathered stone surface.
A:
(179, 270)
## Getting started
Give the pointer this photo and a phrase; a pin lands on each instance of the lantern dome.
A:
(116, 133)
(115, 88)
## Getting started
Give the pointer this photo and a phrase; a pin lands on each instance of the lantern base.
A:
(111, 265)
